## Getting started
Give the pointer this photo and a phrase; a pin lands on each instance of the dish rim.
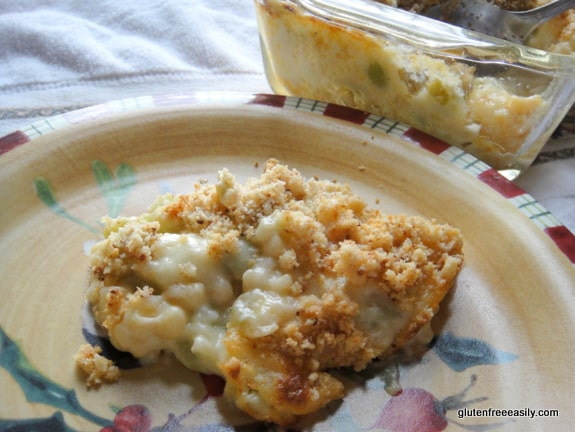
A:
(526, 204)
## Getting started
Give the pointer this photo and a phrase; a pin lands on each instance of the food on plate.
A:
(270, 284)
(444, 91)
(99, 369)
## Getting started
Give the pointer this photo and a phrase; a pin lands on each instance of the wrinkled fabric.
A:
(59, 55)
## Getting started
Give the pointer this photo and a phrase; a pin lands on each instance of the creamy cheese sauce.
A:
(269, 284)
(193, 299)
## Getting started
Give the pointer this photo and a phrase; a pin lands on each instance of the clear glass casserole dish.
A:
(497, 100)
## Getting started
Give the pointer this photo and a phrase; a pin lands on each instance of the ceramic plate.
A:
(502, 355)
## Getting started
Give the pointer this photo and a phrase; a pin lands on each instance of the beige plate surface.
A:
(507, 327)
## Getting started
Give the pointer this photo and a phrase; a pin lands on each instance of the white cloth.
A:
(58, 55)
(61, 54)
(551, 180)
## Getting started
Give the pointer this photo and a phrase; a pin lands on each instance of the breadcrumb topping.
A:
(270, 284)
(99, 368)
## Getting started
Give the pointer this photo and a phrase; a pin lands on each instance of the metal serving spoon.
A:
(488, 18)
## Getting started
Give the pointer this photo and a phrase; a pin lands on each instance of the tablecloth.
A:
(60, 55)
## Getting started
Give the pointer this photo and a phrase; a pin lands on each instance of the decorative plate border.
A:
(524, 202)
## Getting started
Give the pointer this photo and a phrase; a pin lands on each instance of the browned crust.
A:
(337, 251)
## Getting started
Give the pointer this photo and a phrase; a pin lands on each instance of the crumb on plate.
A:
(98, 368)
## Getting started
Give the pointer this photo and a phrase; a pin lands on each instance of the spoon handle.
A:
(546, 12)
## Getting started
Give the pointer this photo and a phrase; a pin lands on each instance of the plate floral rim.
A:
(459, 352)
(563, 238)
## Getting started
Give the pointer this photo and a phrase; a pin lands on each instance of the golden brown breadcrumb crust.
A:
(343, 258)
(98, 368)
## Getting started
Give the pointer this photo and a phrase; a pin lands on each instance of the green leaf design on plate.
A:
(114, 186)
(44, 191)
(36, 387)
(460, 353)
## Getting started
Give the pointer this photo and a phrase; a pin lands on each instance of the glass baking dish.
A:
(497, 100)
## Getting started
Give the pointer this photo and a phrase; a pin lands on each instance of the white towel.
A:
(60, 54)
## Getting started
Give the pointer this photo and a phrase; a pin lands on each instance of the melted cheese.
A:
(268, 284)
